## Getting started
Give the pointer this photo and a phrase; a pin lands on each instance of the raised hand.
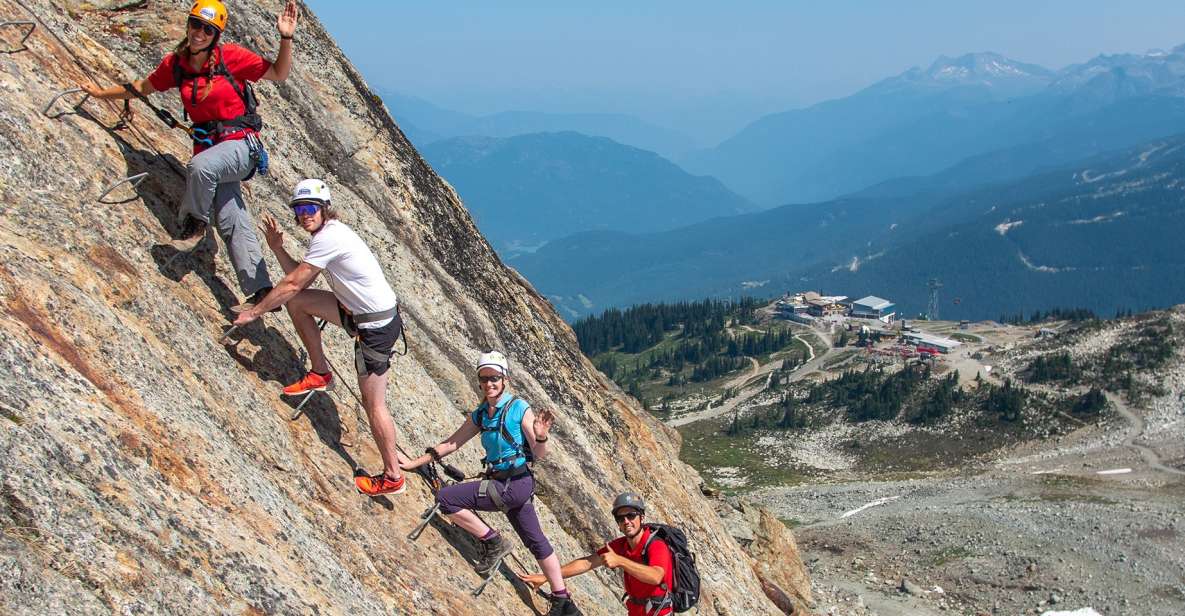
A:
(543, 423)
(272, 233)
(286, 23)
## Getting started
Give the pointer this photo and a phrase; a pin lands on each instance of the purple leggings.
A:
(518, 496)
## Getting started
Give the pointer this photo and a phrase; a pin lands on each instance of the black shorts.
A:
(379, 343)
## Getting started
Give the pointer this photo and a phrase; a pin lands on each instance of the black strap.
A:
(516, 447)
(646, 560)
(402, 331)
(505, 475)
(249, 119)
(163, 114)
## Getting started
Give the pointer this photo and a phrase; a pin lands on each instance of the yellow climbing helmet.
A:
(212, 12)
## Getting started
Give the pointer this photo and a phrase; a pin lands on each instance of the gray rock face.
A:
(149, 469)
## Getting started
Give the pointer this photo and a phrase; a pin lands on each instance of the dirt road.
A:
(747, 393)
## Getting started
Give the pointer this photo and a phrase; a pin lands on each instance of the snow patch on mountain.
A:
(1006, 226)
(1045, 269)
(1098, 219)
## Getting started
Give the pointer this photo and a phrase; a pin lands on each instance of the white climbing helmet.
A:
(495, 360)
(310, 190)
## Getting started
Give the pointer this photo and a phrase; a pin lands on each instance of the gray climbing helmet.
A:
(629, 499)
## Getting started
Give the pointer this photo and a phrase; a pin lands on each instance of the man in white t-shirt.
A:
(361, 302)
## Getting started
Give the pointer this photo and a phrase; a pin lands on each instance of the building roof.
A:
(873, 302)
(932, 340)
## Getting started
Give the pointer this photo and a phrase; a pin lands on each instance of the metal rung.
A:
(134, 180)
(425, 519)
(32, 26)
(226, 335)
(296, 413)
(489, 578)
(45, 112)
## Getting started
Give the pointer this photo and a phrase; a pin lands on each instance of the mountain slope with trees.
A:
(891, 239)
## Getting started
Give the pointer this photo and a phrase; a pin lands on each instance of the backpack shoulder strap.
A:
(654, 530)
(646, 546)
(243, 92)
(178, 70)
(502, 423)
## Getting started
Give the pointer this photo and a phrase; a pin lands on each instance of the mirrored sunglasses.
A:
(305, 208)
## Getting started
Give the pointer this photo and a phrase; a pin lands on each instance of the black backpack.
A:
(685, 594)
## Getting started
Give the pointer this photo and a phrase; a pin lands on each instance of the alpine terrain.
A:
(150, 467)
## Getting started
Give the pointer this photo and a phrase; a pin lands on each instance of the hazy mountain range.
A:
(1103, 234)
(425, 123)
(1100, 234)
(1099, 108)
(922, 121)
(529, 189)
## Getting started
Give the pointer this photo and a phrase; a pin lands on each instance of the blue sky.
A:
(712, 64)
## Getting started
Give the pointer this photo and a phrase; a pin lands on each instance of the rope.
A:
(91, 75)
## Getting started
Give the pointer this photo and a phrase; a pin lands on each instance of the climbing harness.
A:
(249, 119)
(363, 351)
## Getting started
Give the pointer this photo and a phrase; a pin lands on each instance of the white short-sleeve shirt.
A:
(353, 271)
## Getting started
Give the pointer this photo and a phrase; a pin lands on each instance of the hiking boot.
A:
(490, 554)
(255, 299)
(310, 382)
(562, 606)
(377, 485)
(193, 231)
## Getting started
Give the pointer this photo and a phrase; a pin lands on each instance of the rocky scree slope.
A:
(149, 469)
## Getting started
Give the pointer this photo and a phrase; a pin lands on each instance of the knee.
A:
(445, 507)
(540, 548)
(201, 167)
(297, 304)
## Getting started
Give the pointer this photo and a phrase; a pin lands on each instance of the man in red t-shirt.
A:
(646, 578)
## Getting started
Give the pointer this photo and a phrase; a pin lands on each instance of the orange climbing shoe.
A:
(310, 382)
(375, 485)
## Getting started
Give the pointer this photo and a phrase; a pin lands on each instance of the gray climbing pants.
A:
(214, 186)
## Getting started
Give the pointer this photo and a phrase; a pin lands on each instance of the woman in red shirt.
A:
(213, 81)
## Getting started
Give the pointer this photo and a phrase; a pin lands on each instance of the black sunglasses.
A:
(490, 379)
(195, 24)
(621, 517)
